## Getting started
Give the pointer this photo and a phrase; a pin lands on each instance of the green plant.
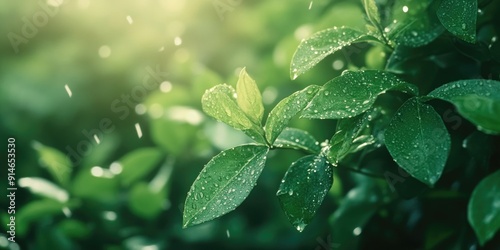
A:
(375, 110)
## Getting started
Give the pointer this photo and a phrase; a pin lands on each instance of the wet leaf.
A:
(484, 208)
(321, 44)
(139, 163)
(353, 93)
(350, 136)
(297, 139)
(459, 17)
(249, 98)
(224, 183)
(414, 24)
(220, 103)
(58, 164)
(286, 109)
(418, 141)
(303, 189)
(477, 100)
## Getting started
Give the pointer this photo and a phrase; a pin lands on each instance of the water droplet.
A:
(68, 90)
(356, 231)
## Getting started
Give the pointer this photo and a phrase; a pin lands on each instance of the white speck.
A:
(138, 130)
(357, 231)
(109, 215)
(55, 3)
(177, 41)
(130, 20)
(338, 64)
(115, 168)
(166, 87)
(227, 233)
(310, 4)
(66, 212)
(405, 9)
(162, 48)
(97, 171)
(68, 90)
(104, 51)
(140, 109)
(96, 138)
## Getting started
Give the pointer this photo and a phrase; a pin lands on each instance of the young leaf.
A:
(224, 183)
(303, 189)
(353, 93)
(372, 12)
(459, 17)
(58, 164)
(349, 137)
(297, 139)
(249, 98)
(418, 141)
(220, 103)
(321, 44)
(477, 100)
(286, 109)
(484, 209)
(139, 163)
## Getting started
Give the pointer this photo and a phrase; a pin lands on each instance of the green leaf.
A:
(286, 109)
(146, 202)
(224, 183)
(74, 228)
(297, 139)
(459, 17)
(321, 44)
(249, 98)
(139, 163)
(34, 211)
(477, 100)
(418, 141)
(44, 188)
(175, 137)
(350, 137)
(353, 93)
(220, 103)
(303, 189)
(414, 23)
(484, 208)
(58, 164)
(372, 12)
(86, 185)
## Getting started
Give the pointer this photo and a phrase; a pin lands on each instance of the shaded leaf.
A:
(418, 141)
(477, 100)
(297, 139)
(58, 164)
(303, 189)
(34, 211)
(249, 98)
(286, 109)
(353, 93)
(459, 17)
(321, 44)
(224, 183)
(220, 103)
(350, 136)
(139, 163)
(414, 23)
(44, 188)
(86, 185)
(484, 208)
(174, 137)
(74, 228)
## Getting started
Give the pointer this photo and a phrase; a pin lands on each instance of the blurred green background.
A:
(146, 64)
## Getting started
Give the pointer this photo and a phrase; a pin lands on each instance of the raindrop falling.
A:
(68, 90)
(130, 20)
(310, 5)
(97, 140)
(227, 233)
(161, 49)
(356, 231)
(138, 130)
